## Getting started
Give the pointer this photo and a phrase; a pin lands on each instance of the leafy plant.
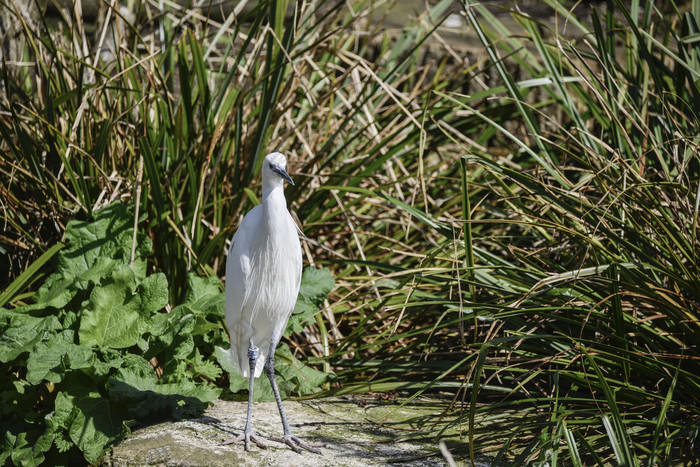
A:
(82, 356)
(95, 353)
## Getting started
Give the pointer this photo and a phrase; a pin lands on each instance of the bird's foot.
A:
(296, 443)
(247, 437)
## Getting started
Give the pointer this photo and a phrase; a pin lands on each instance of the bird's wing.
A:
(262, 283)
(238, 285)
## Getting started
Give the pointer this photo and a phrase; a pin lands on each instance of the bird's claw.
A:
(296, 443)
(247, 438)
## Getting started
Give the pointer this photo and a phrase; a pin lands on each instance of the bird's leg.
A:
(248, 435)
(289, 439)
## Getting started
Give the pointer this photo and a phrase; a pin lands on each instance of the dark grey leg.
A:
(289, 439)
(248, 434)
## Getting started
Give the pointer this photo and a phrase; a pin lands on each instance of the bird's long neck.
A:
(273, 202)
(273, 193)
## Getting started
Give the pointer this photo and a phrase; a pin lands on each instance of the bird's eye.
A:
(270, 164)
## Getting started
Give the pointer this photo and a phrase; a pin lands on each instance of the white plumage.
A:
(263, 271)
(263, 274)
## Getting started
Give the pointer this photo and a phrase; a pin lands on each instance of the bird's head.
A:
(275, 168)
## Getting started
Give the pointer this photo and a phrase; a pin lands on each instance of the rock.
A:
(352, 436)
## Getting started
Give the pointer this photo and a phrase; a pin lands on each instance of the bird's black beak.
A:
(283, 173)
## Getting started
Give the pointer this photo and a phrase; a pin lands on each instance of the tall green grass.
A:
(179, 120)
(527, 248)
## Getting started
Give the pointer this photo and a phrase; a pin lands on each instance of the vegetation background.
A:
(512, 230)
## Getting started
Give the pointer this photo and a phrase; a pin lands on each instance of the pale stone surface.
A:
(351, 434)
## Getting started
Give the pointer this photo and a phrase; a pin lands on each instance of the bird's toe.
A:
(246, 438)
(260, 444)
(235, 439)
(297, 444)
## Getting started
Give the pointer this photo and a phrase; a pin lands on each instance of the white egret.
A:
(263, 273)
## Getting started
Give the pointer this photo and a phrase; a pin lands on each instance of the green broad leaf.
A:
(108, 235)
(95, 248)
(303, 315)
(112, 316)
(209, 327)
(159, 325)
(138, 364)
(315, 286)
(84, 417)
(101, 268)
(154, 293)
(184, 346)
(147, 399)
(45, 362)
(17, 402)
(19, 332)
(53, 357)
(60, 288)
(300, 378)
(59, 421)
(225, 360)
(57, 291)
(173, 335)
(106, 360)
(203, 368)
(203, 294)
(23, 439)
(80, 357)
(29, 447)
(92, 429)
(6, 444)
(181, 321)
